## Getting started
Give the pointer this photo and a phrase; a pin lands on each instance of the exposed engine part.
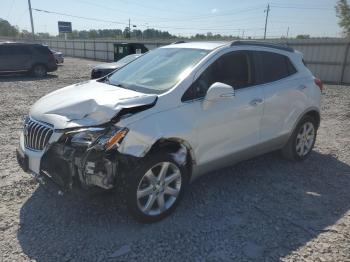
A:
(67, 163)
(100, 174)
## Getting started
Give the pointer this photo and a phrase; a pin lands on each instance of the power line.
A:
(10, 10)
(228, 13)
(19, 18)
(116, 10)
(156, 8)
(138, 5)
(301, 7)
(164, 27)
(166, 19)
(80, 17)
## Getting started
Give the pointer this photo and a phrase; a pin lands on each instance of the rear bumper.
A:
(52, 67)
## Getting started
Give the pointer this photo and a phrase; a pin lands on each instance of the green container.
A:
(124, 49)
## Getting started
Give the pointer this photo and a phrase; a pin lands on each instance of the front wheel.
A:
(39, 70)
(302, 140)
(156, 187)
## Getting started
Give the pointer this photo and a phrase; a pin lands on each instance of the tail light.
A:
(319, 83)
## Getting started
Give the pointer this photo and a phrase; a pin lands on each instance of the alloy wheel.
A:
(159, 188)
(305, 139)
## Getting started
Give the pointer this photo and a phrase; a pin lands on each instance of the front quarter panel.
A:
(176, 123)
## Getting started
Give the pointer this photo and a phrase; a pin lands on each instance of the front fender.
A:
(168, 125)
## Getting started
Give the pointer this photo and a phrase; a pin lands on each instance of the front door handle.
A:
(256, 102)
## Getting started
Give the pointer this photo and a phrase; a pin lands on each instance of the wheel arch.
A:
(181, 149)
(313, 112)
(315, 115)
(38, 63)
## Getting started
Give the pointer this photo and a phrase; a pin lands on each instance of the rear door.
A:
(282, 93)
(23, 57)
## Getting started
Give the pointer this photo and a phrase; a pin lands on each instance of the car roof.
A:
(209, 45)
(21, 44)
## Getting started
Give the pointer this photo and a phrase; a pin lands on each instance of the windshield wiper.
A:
(106, 80)
(119, 85)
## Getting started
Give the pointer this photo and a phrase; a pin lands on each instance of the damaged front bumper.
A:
(71, 164)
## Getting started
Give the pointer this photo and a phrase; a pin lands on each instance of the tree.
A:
(303, 36)
(136, 33)
(126, 32)
(343, 13)
(6, 29)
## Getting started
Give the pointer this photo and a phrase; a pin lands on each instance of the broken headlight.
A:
(100, 138)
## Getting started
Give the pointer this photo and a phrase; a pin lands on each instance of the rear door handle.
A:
(256, 102)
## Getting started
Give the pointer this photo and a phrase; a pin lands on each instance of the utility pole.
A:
(267, 16)
(129, 29)
(288, 32)
(31, 19)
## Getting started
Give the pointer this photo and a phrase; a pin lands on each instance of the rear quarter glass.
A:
(42, 50)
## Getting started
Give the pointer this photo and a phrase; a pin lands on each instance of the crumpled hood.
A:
(86, 104)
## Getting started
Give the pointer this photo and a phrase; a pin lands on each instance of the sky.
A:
(182, 17)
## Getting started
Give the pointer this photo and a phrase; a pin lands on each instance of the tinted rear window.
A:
(275, 67)
(42, 50)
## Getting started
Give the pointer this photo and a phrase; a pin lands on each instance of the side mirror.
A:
(219, 91)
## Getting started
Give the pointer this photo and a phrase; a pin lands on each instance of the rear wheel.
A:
(155, 188)
(302, 140)
(39, 70)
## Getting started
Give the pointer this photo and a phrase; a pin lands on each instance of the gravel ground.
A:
(264, 209)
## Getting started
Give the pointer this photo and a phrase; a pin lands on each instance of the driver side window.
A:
(234, 69)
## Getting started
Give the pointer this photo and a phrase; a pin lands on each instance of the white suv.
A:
(175, 113)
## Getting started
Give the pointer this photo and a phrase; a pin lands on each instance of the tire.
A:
(39, 70)
(300, 144)
(143, 188)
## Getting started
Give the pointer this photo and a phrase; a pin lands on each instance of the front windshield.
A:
(157, 71)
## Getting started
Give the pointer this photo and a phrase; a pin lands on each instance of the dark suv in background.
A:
(23, 57)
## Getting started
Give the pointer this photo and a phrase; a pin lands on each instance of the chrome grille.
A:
(36, 135)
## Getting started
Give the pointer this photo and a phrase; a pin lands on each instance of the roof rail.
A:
(263, 44)
(178, 42)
